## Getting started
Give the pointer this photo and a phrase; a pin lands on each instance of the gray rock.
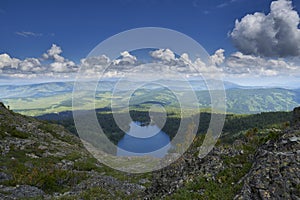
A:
(294, 139)
(4, 177)
(276, 170)
(143, 181)
(21, 191)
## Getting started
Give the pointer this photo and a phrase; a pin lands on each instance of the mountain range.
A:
(43, 98)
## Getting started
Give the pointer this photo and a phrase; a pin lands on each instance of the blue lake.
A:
(144, 140)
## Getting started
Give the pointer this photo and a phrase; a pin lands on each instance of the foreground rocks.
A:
(44, 161)
(20, 191)
(274, 174)
(276, 170)
(189, 168)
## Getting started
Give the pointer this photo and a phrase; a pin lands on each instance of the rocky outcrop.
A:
(20, 191)
(108, 182)
(188, 168)
(275, 173)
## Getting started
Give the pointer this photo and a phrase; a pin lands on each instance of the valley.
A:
(39, 99)
(43, 157)
(150, 100)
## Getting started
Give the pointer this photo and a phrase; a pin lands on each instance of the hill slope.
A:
(44, 161)
(261, 164)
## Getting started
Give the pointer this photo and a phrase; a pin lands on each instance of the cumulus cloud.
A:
(8, 62)
(274, 34)
(237, 65)
(54, 53)
(59, 64)
(251, 65)
(185, 58)
(218, 58)
(29, 66)
(9, 65)
(103, 66)
(63, 67)
(126, 58)
(94, 65)
(94, 61)
(53, 64)
(163, 54)
(183, 63)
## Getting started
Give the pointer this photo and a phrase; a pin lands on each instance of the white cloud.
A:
(218, 58)
(11, 66)
(63, 67)
(185, 58)
(30, 65)
(163, 54)
(103, 66)
(274, 34)
(126, 58)
(225, 4)
(89, 62)
(250, 65)
(222, 5)
(92, 66)
(28, 34)
(185, 65)
(20, 68)
(59, 63)
(54, 53)
(236, 65)
(7, 61)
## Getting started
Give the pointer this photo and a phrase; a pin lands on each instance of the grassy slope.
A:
(41, 171)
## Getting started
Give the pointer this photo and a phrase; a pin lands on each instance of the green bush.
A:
(46, 127)
(271, 136)
(86, 165)
(15, 133)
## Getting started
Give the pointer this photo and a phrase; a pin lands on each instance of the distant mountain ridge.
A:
(43, 98)
(35, 90)
(52, 88)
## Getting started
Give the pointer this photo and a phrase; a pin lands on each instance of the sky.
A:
(253, 42)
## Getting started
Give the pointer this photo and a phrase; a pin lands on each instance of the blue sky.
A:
(78, 26)
(30, 28)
